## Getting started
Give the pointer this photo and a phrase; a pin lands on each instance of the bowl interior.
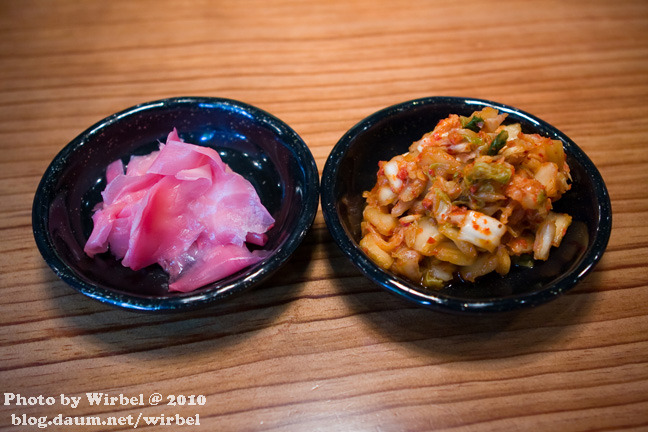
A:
(253, 143)
(351, 170)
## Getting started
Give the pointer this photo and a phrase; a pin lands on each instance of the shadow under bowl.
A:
(255, 144)
(351, 169)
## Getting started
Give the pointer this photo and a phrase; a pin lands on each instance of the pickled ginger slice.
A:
(183, 208)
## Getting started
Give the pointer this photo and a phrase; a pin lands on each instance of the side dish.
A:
(183, 208)
(471, 197)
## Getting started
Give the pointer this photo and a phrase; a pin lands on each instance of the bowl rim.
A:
(439, 301)
(250, 277)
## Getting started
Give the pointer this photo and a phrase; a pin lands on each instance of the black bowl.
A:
(351, 169)
(252, 142)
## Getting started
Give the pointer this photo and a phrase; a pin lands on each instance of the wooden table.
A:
(319, 347)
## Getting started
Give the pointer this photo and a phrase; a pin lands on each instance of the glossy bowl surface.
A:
(351, 169)
(252, 142)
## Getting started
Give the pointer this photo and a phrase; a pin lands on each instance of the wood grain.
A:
(320, 348)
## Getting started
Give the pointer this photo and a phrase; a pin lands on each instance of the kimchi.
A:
(471, 197)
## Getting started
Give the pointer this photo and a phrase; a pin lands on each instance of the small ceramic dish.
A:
(252, 142)
(351, 169)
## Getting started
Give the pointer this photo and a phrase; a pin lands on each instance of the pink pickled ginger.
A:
(183, 208)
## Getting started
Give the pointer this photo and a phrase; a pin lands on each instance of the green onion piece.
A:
(498, 143)
(473, 123)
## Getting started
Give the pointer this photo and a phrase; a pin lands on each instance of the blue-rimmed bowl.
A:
(255, 144)
(351, 169)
